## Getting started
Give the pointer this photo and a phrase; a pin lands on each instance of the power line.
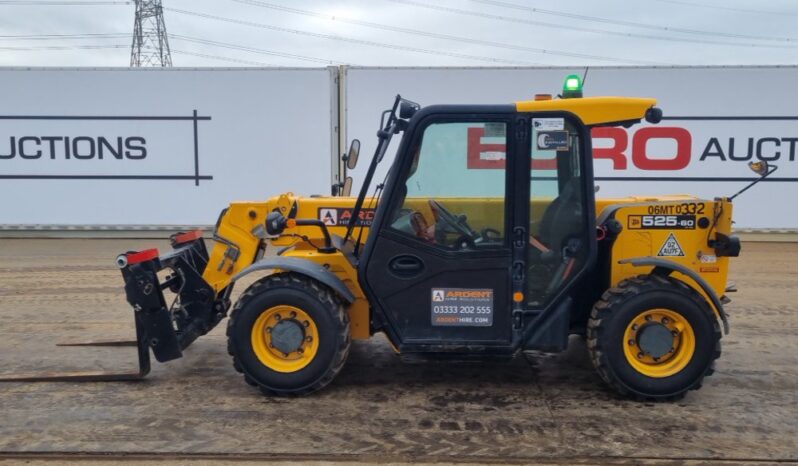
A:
(619, 22)
(461, 39)
(244, 48)
(113, 35)
(65, 47)
(509, 19)
(61, 3)
(217, 57)
(728, 8)
(370, 43)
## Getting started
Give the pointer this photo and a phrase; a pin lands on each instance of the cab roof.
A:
(593, 110)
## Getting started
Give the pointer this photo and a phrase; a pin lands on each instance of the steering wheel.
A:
(449, 219)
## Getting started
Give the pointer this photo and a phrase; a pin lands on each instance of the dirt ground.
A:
(543, 409)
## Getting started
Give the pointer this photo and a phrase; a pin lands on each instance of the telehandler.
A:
(484, 241)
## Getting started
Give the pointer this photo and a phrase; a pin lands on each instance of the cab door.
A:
(437, 265)
(560, 228)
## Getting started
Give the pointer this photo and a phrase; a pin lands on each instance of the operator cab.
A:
(486, 225)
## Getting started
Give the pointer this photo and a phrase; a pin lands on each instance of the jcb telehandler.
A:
(485, 240)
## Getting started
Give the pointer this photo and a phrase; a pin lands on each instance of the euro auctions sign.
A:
(716, 120)
(681, 147)
(150, 147)
(102, 147)
(705, 156)
(678, 149)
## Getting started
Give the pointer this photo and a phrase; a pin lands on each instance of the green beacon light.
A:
(572, 87)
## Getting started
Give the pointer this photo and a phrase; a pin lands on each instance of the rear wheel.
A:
(653, 337)
(288, 335)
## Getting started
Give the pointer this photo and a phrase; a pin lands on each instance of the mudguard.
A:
(306, 267)
(665, 267)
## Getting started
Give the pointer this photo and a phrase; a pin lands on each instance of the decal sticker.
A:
(662, 222)
(329, 216)
(548, 124)
(462, 307)
(336, 216)
(671, 248)
(708, 259)
(710, 269)
(676, 209)
(552, 140)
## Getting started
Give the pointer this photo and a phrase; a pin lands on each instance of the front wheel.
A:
(288, 335)
(653, 337)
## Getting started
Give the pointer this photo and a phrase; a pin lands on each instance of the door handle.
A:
(406, 265)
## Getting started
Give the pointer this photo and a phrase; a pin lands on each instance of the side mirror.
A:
(346, 189)
(761, 168)
(352, 155)
(407, 109)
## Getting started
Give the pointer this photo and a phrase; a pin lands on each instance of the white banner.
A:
(716, 120)
(165, 147)
(159, 147)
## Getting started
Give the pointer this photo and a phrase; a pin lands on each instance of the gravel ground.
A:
(543, 408)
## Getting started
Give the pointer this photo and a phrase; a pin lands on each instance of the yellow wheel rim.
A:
(661, 362)
(276, 354)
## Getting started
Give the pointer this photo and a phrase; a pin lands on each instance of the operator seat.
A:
(558, 242)
(562, 219)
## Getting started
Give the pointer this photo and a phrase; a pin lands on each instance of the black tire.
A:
(616, 310)
(314, 298)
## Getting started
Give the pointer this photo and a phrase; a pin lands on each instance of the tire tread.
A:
(312, 287)
(606, 306)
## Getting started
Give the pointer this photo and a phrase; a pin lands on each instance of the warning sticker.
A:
(671, 247)
(548, 124)
(336, 216)
(464, 307)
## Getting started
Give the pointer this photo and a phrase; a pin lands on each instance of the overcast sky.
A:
(410, 32)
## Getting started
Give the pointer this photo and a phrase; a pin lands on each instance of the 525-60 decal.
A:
(662, 222)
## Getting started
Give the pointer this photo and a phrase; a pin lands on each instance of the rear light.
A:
(142, 256)
(181, 238)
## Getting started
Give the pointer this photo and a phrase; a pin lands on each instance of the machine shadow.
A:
(374, 364)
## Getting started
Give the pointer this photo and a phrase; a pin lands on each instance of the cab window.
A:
(558, 224)
(453, 196)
